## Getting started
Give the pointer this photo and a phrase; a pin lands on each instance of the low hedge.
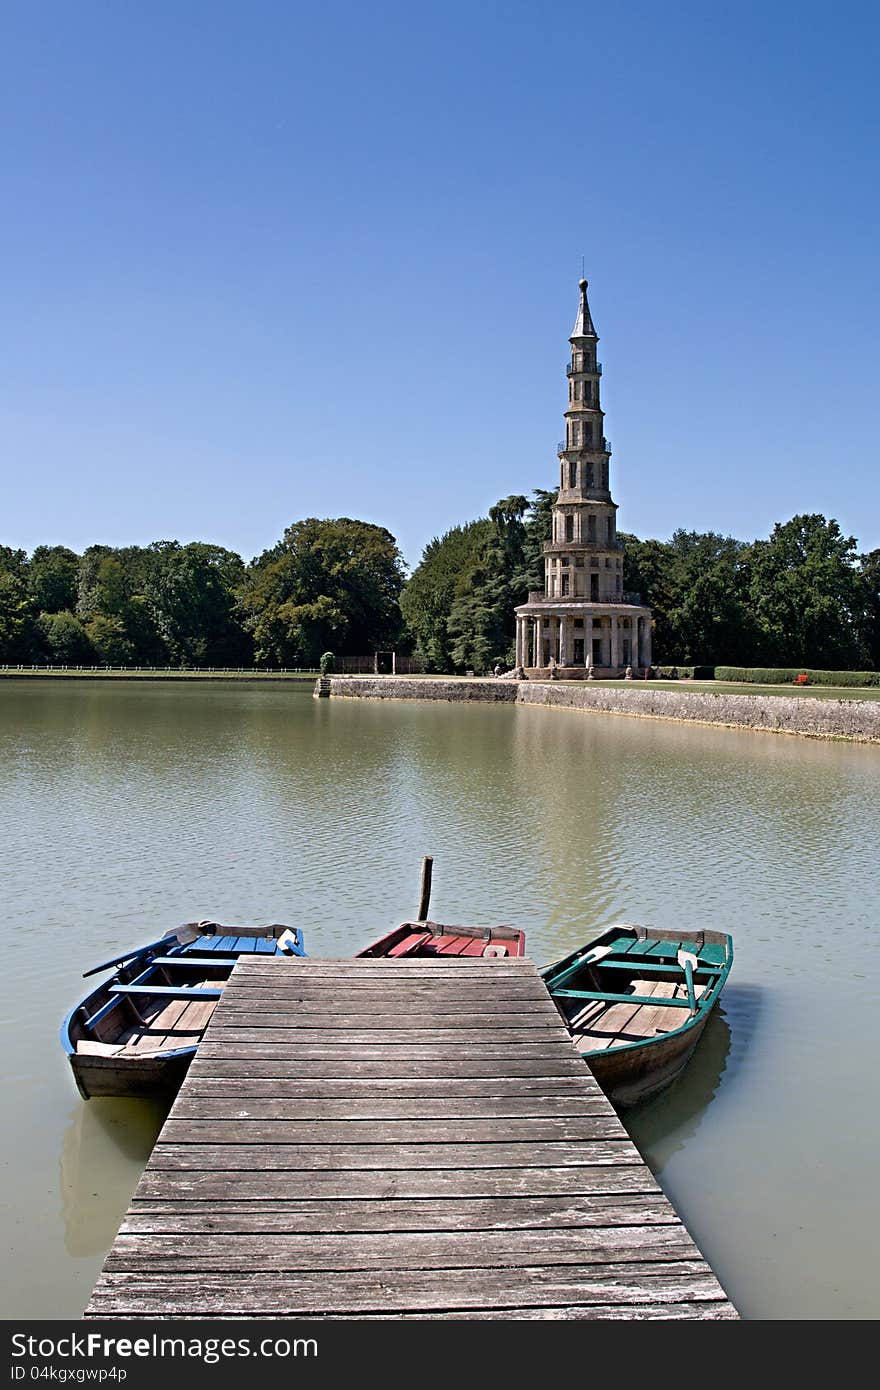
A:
(785, 675)
(693, 673)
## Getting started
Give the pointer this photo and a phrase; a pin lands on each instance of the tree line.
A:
(326, 585)
(804, 596)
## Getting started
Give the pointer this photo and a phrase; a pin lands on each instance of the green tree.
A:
(101, 583)
(112, 584)
(870, 576)
(17, 636)
(708, 618)
(648, 576)
(110, 640)
(327, 584)
(445, 568)
(481, 621)
(190, 592)
(539, 528)
(64, 639)
(459, 604)
(52, 578)
(806, 595)
(695, 586)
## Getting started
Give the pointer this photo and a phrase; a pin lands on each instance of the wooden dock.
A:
(397, 1139)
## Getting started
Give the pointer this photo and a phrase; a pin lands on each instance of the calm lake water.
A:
(127, 809)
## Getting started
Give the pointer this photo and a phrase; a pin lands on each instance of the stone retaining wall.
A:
(412, 688)
(820, 718)
(858, 720)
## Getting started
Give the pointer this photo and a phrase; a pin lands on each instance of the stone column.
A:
(563, 641)
(588, 641)
(520, 626)
(539, 637)
(647, 658)
(615, 642)
(635, 658)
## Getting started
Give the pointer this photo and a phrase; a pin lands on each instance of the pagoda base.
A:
(583, 673)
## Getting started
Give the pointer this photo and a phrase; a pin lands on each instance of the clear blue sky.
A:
(264, 261)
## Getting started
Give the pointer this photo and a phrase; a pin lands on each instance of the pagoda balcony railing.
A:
(572, 370)
(592, 543)
(600, 446)
(539, 596)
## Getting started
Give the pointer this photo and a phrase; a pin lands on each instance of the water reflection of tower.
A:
(570, 772)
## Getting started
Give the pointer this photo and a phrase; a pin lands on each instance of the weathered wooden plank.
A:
(423, 1046)
(599, 1312)
(391, 1291)
(299, 1157)
(437, 1183)
(430, 1087)
(525, 992)
(417, 975)
(195, 1106)
(146, 1217)
(441, 972)
(437, 984)
(399, 1250)
(588, 1312)
(297, 1022)
(344, 1069)
(480, 1006)
(533, 1130)
(385, 966)
(501, 1040)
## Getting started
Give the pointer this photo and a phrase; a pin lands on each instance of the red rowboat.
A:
(433, 939)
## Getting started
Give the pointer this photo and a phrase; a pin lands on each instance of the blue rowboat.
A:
(636, 1001)
(136, 1034)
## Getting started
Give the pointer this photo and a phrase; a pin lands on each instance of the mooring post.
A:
(425, 890)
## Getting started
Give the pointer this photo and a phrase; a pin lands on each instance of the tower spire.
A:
(583, 324)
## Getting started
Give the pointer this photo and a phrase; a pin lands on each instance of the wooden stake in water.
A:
(425, 890)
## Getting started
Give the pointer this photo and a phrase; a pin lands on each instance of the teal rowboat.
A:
(636, 1001)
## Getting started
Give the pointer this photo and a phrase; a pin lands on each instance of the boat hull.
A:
(632, 1070)
(431, 939)
(138, 1077)
(94, 1032)
(629, 1076)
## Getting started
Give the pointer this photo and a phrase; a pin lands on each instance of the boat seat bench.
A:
(642, 966)
(190, 961)
(238, 945)
(607, 997)
(168, 991)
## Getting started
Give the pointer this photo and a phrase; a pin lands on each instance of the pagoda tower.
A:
(582, 623)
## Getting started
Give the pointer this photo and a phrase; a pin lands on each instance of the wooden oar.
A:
(184, 935)
(688, 961)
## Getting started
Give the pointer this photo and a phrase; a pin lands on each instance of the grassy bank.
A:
(150, 673)
(797, 692)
